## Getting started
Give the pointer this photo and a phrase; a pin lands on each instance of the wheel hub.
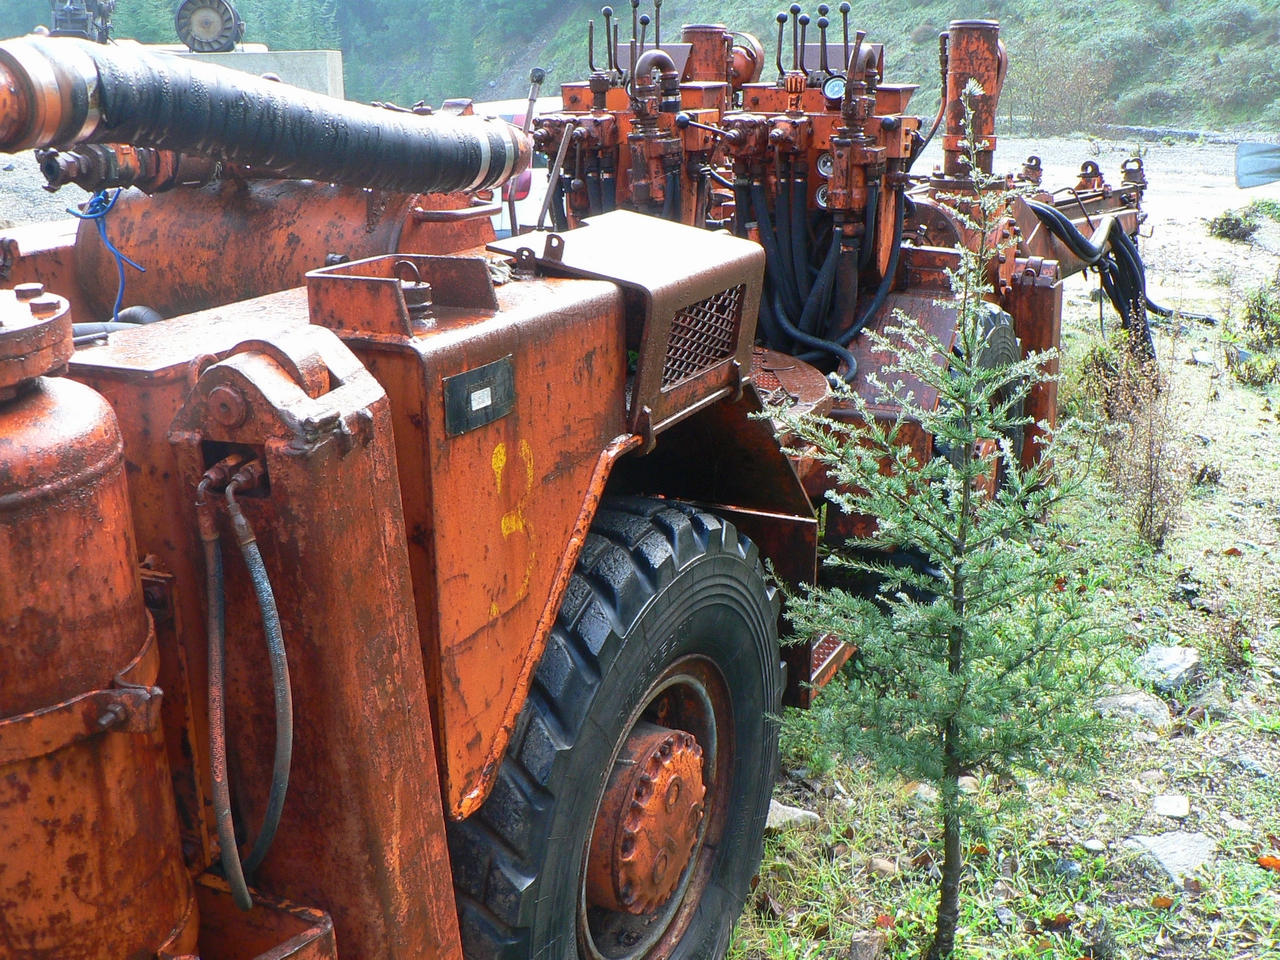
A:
(647, 826)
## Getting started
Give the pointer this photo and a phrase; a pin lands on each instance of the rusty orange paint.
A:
(974, 53)
(495, 513)
(255, 238)
(383, 877)
(80, 737)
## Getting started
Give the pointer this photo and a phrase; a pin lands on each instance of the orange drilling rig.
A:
(375, 588)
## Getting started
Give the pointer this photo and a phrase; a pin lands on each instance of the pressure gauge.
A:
(833, 88)
(826, 163)
(821, 196)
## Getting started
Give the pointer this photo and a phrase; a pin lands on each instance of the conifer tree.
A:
(979, 655)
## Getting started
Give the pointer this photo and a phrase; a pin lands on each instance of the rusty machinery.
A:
(386, 591)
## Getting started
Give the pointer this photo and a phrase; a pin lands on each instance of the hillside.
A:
(1210, 65)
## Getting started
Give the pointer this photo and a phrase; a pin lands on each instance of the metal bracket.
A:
(124, 707)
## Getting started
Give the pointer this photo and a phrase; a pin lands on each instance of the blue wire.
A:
(96, 210)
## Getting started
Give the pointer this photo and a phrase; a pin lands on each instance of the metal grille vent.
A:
(703, 334)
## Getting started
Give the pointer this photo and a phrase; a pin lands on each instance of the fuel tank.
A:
(90, 861)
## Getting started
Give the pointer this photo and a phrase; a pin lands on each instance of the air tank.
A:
(90, 859)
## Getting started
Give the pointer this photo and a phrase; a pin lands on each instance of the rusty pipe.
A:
(56, 92)
(660, 60)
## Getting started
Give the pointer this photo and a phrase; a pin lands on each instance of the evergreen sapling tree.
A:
(980, 656)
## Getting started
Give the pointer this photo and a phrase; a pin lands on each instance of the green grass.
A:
(816, 890)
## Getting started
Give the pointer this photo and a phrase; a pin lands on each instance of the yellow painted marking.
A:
(499, 462)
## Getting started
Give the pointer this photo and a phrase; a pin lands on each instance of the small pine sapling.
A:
(980, 655)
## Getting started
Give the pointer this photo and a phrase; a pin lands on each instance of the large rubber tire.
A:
(659, 584)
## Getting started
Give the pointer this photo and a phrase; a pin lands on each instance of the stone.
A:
(1234, 823)
(866, 945)
(1006, 917)
(1094, 845)
(882, 867)
(1213, 700)
(1178, 853)
(782, 817)
(968, 784)
(1143, 706)
(1169, 668)
(1251, 766)
(924, 794)
(1069, 869)
(1172, 805)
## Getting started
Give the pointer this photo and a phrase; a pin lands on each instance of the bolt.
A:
(227, 405)
(28, 291)
(111, 716)
(44, 306)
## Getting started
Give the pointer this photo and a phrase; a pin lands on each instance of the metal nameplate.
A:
(479, 396)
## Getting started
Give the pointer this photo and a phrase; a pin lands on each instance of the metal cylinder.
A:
(90, 862)
(975, 53)
(60, 92)
(710, 57)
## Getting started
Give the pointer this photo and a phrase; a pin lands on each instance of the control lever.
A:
(795, 36)
(823, 23)
(683, 121)
(537, 76)
(844, 16)
(782, 26)
(804, 30)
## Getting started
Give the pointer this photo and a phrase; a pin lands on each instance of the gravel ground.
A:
(23, 198)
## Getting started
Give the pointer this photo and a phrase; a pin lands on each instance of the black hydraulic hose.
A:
(279, 680)
(215, 628)
(782, 226)
(799, 191)
(609, 189)
(1162, 311)
(769, 240)
(595, 198)
(96, 93)
(849, 363)
(869, 226)
(741, 206)
(886, 282)
(1118, 261)
(671, 197)
(773, 336)
(559, 219)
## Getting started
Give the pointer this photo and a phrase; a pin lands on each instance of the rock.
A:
(924, 795)
(1006, 917)
(1234, 823)
(1069, 869)
(1153, 776)
(866, 945)
(1172, 805)
(1143, 706)
(1099, 941)
(782, 817)
(1177, 853)
(882, 867)
(1213, 700)
(1251, 766)
(1200, 358)
(1094, 845)
(968, 784)
(1169, 668)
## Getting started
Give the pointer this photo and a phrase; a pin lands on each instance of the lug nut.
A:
(44, 306)
(28, 291)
